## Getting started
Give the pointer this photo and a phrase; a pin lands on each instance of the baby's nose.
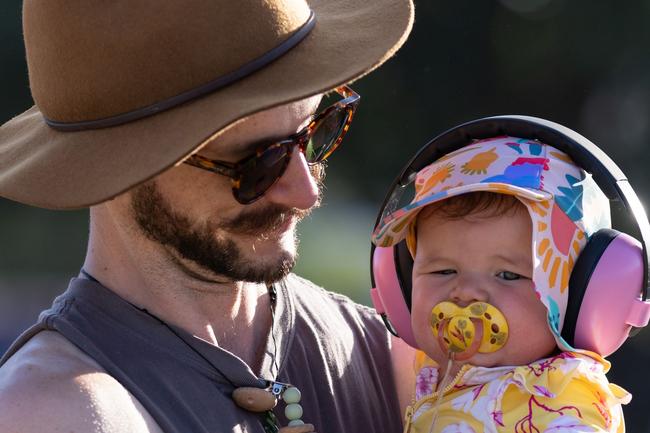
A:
(469, 289)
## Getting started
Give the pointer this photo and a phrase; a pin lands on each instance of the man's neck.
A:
(235, 316)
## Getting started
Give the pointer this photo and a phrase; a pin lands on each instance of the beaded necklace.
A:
(260, 399)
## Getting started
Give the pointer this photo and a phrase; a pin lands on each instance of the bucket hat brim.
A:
(399, 222)
(43, 167)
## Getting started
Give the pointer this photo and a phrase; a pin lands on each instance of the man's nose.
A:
(297, 187)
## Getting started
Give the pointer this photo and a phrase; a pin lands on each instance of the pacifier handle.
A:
(454, 352)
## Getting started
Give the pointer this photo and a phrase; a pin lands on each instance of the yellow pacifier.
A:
(455, 327)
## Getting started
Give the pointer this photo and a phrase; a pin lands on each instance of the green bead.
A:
(295, 422)
(291, 395)
(293, 411)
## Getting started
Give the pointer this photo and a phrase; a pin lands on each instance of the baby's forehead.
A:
(482, 234)
(473, 206)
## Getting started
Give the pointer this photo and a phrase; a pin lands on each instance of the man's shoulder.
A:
(50, 382)
(333, 312)
(306, 291)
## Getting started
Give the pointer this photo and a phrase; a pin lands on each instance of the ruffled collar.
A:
(535, 377)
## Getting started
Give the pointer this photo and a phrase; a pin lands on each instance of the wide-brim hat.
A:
(99, 71)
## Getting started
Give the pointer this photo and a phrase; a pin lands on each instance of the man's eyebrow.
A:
(249, 147)
(245, 148)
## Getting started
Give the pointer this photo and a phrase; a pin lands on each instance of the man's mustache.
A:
(263, 220)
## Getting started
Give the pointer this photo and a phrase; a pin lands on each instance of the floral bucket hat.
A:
(564, 202)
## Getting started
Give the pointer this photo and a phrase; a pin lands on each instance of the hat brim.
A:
(44, 167)
(398, 225)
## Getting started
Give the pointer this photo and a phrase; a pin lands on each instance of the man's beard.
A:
(200, 244)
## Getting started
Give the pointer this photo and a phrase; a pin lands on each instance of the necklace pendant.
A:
(254, 399)
(264, 399)
(277, 388)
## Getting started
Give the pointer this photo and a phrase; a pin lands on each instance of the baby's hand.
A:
(305, 428)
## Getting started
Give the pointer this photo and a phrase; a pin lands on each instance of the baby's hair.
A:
(488, 204)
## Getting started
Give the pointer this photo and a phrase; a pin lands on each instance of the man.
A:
(191, 131)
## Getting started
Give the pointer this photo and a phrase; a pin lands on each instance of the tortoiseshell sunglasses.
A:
(253, 175)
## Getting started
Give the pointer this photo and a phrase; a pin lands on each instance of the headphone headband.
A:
(607, 175)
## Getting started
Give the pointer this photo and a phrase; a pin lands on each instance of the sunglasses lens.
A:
(325, 134)
(258, 174)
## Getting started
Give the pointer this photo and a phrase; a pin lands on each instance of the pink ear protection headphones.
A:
(608, 287)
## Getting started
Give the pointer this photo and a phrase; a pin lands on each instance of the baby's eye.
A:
(509, 276)
(445, 272)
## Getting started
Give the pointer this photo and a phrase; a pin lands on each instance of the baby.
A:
(494, 230)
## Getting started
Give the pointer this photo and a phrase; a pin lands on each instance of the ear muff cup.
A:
(604, 293)
(390, 290)
(580, 277)
(404, 268)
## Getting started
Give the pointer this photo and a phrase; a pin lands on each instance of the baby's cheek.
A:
(420, 321)
(530, 337)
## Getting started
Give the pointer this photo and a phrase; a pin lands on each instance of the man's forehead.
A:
(275, 123)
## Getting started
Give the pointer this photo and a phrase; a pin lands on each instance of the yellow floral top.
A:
(567, 393)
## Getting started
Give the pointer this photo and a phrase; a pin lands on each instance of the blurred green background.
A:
(585, 64)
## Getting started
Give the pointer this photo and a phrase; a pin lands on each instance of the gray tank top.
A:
(333, 350)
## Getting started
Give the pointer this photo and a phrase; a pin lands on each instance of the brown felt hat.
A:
(128, 88)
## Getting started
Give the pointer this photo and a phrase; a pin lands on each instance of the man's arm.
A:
(50, 385)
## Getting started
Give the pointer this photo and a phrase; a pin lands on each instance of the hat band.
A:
(166, 104)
